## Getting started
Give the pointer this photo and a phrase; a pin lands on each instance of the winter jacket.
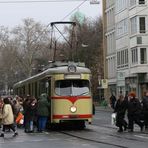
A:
(43, 106)
(134, 107)
(7, 115)
(120, 107)
(30, 112)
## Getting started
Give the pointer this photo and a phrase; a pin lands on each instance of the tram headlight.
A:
(73, 109)
(72, 68)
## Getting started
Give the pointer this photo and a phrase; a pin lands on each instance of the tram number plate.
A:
(73, 116)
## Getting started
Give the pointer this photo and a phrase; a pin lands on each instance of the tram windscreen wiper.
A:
(84, 93)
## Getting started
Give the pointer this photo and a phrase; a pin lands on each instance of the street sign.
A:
(94, 2)
(104, 83)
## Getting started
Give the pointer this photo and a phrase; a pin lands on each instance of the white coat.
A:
(7, 115)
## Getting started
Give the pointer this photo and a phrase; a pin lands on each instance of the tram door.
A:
(45, 89)
(48, 91)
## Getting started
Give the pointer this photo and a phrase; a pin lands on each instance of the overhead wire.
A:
(48, 1)
(39, 1)
(66, 17)
(70, 14)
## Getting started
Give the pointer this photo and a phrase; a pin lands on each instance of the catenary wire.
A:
(39, 1)
(70, 14)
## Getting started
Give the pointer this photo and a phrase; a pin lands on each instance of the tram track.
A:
(121, 135)
(92, 140)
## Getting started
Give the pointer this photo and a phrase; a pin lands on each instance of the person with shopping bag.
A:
(120, 110)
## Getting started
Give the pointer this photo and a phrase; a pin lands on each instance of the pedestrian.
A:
(43, 111)
(120, 109)
(25, 108)
(145, 109)
(1, 108)
(112, 101)
(134, 112)
(30, 114)
(7, 118)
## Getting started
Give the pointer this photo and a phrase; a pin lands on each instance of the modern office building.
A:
(125, 25)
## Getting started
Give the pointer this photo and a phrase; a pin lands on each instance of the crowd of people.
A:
(30, 112)
(27, 112)
(137, 111)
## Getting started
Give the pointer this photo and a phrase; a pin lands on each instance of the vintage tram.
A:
(68, 87)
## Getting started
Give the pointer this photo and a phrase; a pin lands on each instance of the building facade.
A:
(126, 45)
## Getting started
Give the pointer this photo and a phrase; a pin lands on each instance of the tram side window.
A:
(44, 87)
(29, 89)
(36, 88)
(23, 90)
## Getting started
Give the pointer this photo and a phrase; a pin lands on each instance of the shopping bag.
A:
(19, 117)
(113, 118)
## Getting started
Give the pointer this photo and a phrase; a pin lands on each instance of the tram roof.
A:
(57, 68)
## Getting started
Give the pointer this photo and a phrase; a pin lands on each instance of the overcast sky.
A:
(11, 14)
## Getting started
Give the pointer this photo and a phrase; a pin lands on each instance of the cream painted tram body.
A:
(68, 89)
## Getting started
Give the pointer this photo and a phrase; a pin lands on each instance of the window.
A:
(132, 3)
(141, 2)
(126, 56)
(44, 86)
(72, 87)
(134, 56)
(122, 58)
(143, 58)
(133, 25)
(121, 27)
(120, 5)
(142, 27)
(139, 40)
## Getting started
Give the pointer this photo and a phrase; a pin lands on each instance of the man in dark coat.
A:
(30, 109)
(145, 109)
(120, 109)
(134, 112)
(112, 101)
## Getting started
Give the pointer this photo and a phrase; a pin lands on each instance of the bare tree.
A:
(31, 39)
(7, 59)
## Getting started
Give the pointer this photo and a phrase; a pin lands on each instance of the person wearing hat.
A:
(134, 112)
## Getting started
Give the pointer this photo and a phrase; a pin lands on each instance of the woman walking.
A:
(7, 118)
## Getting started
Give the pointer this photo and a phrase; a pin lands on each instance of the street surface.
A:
(101, 134)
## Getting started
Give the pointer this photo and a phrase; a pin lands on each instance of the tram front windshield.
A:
(72, 87)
